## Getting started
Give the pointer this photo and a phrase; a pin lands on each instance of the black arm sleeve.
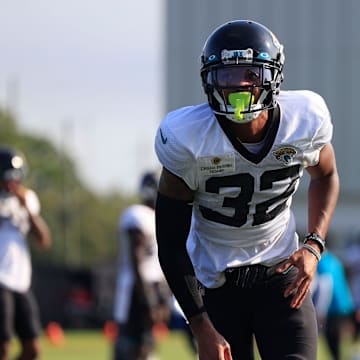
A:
(173, 219)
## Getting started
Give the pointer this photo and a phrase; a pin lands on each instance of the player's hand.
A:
(211, 344)
(306, 263)
(19, 190)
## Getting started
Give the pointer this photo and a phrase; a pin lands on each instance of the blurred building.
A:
(322, 47)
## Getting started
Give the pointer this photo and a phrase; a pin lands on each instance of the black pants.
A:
(333, 327)
(18, 312)
(135, 339)
(251, 305)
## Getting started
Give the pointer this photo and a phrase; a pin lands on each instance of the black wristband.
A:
(317, 238)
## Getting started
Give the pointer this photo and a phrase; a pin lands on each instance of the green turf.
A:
(78, 345)
(93, 345)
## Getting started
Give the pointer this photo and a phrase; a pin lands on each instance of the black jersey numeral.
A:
(241, 202)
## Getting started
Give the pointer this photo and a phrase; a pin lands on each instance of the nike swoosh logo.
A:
(163, 138)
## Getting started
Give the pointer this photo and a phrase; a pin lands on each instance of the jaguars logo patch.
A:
(285, 154)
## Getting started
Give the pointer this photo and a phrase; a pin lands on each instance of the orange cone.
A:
(55, 333)
(110, 330)
(160, 331)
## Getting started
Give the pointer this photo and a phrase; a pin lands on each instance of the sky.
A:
(88, 76)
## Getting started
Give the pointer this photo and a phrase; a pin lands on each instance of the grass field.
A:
(93, 345)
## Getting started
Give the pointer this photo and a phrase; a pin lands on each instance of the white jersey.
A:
(139, 217)
(15, 261)
(241, 212)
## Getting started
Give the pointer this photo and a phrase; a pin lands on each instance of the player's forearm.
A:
(200, 324)
(173, 218)
(322, 198)
(40, 231)
(38, 227)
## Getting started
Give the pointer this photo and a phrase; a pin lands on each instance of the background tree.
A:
(82, 222)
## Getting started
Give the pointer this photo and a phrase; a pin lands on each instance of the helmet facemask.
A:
(240, 92)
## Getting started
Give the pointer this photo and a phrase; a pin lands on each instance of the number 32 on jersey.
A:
(241, 203)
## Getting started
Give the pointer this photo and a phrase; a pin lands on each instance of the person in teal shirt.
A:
(333, 300)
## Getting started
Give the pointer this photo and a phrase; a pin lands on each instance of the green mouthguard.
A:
(241, 101)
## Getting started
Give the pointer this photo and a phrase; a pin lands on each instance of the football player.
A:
(226, 234)
(19, 217)
(142, 296)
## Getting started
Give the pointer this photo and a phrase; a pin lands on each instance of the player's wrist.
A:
(199, 321)
(312, 250)
(316, 241)
(314, 245)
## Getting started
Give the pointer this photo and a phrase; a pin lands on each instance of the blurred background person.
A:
(333, 301)
(142, 297)
(19, 216)
(351, 259)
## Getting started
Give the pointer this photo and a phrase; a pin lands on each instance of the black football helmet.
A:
(12, 164)
(149, 186)
(241, 69)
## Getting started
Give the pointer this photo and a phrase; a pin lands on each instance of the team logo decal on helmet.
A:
(229, 56)
(241, 70)
(285, 154)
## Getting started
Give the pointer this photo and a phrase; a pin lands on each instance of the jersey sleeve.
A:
(174, 155)
(32, 202)
(130, 220)
(322, 134)
(325, 131)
